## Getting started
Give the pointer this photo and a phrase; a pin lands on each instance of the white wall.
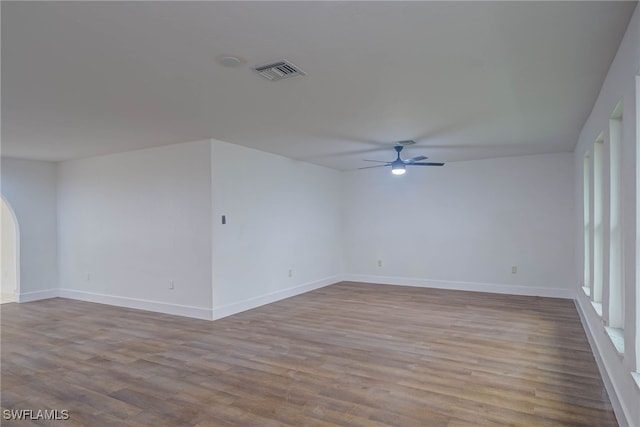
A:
(281, 215)
(129, 223)
(30, 189)
(464, 225)
(620, 84)
(8, 248)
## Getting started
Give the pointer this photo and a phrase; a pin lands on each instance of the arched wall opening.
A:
(9, 254)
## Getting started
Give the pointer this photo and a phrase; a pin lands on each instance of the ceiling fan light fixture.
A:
(398, 168)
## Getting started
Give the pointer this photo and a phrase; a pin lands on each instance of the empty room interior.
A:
(237, 213)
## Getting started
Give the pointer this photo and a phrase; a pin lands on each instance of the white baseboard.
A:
(140, 304)
(464, 286)
(176, 309)
(618, 406)
(248, 304)
(37, 295)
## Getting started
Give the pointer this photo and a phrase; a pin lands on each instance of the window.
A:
(615, 314)
(586, 172)
(636, 375)
(598, 229)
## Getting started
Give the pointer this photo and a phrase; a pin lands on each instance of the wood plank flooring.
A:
(345, 355)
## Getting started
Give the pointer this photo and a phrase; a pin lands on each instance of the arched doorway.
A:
(9, 254)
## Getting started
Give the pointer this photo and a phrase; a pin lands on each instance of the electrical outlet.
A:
(379, 263)
(170, 284)
(514, 269)
(290, 272)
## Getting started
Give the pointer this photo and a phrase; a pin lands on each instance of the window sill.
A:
(616, 336)
(586, 291)
(597, 306)
(636, 377)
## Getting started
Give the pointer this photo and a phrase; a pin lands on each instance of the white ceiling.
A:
(466, 80)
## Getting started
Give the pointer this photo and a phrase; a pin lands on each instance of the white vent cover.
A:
(279, 70)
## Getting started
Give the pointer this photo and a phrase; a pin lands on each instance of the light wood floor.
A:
(346, 355)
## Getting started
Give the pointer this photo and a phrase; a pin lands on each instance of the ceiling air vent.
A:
(279, 70)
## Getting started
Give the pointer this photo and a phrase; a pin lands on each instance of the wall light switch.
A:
(170, 284)
(514, 269)
(224, 219)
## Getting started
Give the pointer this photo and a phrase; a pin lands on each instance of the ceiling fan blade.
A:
(376, 166)
(426, 164)
(415, 159)
(377, 161)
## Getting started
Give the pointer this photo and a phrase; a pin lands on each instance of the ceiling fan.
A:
(399, 166)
